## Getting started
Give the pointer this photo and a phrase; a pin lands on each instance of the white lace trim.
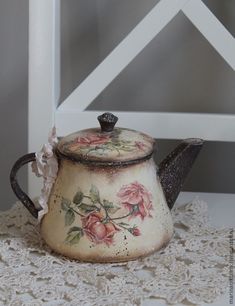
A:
(193, 268)
(46, 166)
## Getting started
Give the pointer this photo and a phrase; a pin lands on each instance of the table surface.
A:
(222, 212)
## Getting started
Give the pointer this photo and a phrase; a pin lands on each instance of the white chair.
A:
(44, 77)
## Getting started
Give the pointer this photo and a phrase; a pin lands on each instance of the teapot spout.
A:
(174, 168)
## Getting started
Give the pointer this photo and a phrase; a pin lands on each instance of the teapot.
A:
(110, 202)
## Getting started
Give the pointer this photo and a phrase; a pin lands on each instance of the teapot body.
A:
(107, 213)
(107, 203)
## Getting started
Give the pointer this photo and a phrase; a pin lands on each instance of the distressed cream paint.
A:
(155, 230)
(107, 203)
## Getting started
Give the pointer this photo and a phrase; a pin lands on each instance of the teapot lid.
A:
(106, 145)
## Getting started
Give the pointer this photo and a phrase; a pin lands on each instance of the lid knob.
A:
(107, 122)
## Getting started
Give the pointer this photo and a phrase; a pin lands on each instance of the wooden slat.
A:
(44, 74)
(123, 54)
(214, 127)
(212, 29)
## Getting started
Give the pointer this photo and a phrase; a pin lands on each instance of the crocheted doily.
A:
(193, 268)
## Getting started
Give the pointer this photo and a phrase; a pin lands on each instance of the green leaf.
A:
(75, 229)
(73, 237)
(127, 149)
(107, 204)
(94, 194)
(78, 197)
(74, 234)
(123, 223)
(116, 141)
(65, 203)
(87, 208)
(69, 217)
(110, 207)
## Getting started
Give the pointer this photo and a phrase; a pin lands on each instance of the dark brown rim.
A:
(96, 163)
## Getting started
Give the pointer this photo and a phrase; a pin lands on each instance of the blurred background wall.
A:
(13, 91)
(178, 71)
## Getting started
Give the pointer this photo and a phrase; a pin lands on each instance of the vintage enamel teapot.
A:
(110, 202)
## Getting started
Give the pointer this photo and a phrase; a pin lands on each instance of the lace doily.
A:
(192, 268)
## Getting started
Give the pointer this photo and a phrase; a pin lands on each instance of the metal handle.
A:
(22, 196)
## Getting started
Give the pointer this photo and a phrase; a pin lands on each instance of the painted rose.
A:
(97, 231)
(89, 140)
(135, 231)
(140, 145)
(137, 199)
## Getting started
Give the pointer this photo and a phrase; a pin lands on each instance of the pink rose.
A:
(140, 145)
(135, 231)
(97, 231)
(137, 199)
(89, 140)
(92, 139)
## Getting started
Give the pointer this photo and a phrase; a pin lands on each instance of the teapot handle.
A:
(21, 195)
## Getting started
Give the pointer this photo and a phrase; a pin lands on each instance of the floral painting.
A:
(136, 199)
(97, 215)
(102, 144)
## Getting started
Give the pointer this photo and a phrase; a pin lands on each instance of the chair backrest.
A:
(44, 77)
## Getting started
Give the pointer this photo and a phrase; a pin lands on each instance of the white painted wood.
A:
(123, 54)
(44, 74)
(213, 30)
(140, 36)
(160, 125)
